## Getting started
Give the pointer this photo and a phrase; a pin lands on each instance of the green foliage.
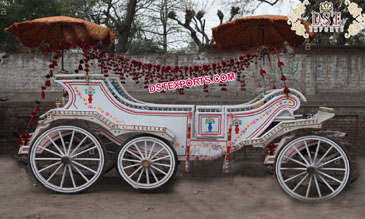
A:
(324, 38)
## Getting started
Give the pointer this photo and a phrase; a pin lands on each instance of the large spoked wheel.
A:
(146, 162)
(67, 159)
(312, 168)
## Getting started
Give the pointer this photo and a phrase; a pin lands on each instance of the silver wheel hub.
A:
(146, 163)
(311, 169)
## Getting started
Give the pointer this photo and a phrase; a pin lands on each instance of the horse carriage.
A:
(66, 154)
(100, 125)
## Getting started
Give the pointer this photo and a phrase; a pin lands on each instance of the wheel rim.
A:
(146, 162)
(67, 159)
(307, 174)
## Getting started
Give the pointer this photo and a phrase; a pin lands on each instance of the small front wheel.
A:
(146, 162)
(312, 168)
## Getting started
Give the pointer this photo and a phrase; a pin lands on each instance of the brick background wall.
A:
(332, 77)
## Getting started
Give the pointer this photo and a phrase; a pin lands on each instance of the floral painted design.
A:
(90, 92)
(209, 121)
(84, 99)
(90, 106)
(261, 117)
(238, 137)
(115, 118)
(107, 113)
(100, 108)
(79, 94)
(177, 144)
(267, 113)
(243, 132)
(248, 126)
(237, 123)
(254, 121)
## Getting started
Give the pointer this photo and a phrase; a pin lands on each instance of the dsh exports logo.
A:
(327, 19)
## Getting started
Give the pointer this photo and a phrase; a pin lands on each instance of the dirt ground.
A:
(248, 191)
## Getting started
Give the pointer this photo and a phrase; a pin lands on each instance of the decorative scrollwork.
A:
(356, 25)
(295, 15)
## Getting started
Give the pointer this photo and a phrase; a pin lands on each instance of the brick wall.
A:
(333, 77)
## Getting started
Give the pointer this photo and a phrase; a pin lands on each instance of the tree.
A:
(158, 26)
(195, 23)
(249, 6)
(122, 25)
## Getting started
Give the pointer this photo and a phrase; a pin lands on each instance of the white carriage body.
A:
(104, 101)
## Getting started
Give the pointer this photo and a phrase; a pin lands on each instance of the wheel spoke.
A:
(325, 174)
(72, 138)
(134, 154)
(330, 161)
(77, 147)
(334, 169)
(158, 169)
(83, 151)
(47, 158)
(301, 155)
(52, 165)
(325, 182)
(54, 144)
(71, 175)
(81, 174)
(50, 151)
(308, 152)
(325, 154)
(161, 158)
(62, 141)
(162, 164)
(139, 151)
(135, 171)
(300, 182)
(309, 186)
(133, 165)
(140, 175)
(86, 159)
(293, 177)
(296, 161)
(83, 166)
(317, 186)
(54, 173)
(153, 145)
(147, 176)
(63, 176)
(154, 175)
(145, 149)
(123, 159)
(157, 153)
(292, 168)
(316, 153)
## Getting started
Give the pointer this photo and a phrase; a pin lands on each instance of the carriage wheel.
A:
(67, 159)
(308, 175)
(146, 162)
